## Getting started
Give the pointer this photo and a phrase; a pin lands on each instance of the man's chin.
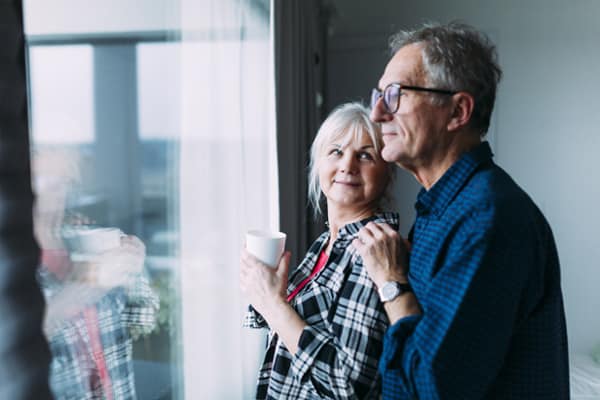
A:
(389, 155)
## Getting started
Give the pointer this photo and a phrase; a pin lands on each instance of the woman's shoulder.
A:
(384, 217)
(389, 217)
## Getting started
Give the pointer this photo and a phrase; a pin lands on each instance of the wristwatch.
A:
(392, 289)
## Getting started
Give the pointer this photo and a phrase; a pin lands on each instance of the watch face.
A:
(390, 290)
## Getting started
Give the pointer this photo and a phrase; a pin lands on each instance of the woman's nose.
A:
(348, 163)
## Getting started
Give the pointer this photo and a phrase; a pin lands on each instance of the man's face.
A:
(414, 134)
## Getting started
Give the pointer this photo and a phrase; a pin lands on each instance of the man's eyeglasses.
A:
(392, 92)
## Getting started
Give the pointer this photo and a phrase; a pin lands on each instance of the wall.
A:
(545, 125)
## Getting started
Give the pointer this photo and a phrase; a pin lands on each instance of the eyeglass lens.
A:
(391, 95)
(375, 96)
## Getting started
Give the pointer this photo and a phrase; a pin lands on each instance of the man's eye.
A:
(335, 152)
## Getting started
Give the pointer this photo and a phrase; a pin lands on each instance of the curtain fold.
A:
(300, 31)
(24, 353)
(228, 185)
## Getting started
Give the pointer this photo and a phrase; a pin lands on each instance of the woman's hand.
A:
(384, 253)
(265, 287)
(119, 266)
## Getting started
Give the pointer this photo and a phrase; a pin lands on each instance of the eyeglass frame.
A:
(380, 94)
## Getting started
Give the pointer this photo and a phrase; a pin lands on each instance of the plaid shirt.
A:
(339, 350)
(74, 374)
(485, 270)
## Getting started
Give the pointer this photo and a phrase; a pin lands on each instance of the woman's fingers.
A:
(261, 284)
(284, 264)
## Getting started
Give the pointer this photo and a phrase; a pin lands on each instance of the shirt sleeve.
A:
(253, 319)
(457, 347)
(339, 356)
(334, 370)
(141, 305)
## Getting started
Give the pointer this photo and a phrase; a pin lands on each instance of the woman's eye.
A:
(365, 156)
(335, 152)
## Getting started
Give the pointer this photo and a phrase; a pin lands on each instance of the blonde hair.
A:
(348, 121)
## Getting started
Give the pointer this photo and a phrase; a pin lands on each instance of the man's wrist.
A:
(391, 276)
(402, 306)
(389, 290)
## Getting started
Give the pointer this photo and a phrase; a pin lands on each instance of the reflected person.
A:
(95, 299)
(326, 322)
(483, 266)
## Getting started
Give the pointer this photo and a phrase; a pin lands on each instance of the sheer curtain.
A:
(228, 184)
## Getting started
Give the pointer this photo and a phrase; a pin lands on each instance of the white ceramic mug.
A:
(266, 246)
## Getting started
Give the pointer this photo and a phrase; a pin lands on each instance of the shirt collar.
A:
(436, 199)
(348, 232)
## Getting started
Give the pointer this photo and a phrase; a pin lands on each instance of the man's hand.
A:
(384, 253)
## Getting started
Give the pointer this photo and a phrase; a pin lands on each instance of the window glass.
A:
(103, 221)
(63, 104)
(152, 152)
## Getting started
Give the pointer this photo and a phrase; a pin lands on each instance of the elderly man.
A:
(477, 312)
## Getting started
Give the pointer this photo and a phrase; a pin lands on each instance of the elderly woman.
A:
(327, 321)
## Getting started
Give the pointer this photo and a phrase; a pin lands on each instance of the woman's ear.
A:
(463, 105)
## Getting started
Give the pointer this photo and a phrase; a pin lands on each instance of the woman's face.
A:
(352, 174)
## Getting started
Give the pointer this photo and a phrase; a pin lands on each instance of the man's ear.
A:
(463, 104)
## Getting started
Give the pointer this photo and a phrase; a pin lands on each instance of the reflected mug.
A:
(97, 240)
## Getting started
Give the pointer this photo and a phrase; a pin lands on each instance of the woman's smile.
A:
(347, 183)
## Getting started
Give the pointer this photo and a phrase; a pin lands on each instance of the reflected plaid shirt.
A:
(74, 374)
(339, 350)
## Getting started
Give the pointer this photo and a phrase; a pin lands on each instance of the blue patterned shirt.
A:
(485, 270)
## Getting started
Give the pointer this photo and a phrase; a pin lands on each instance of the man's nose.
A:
(379, 113)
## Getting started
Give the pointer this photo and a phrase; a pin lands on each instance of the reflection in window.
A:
(150, 159)
(108, 319)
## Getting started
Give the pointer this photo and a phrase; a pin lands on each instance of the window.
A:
(152, 152)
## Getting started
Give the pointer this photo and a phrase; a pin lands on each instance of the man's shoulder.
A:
(492, 187)
(493, 195)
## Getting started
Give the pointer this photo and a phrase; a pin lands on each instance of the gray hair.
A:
(457, 57)
(348, 121)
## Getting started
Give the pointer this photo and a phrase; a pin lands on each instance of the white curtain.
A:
(228, 184)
